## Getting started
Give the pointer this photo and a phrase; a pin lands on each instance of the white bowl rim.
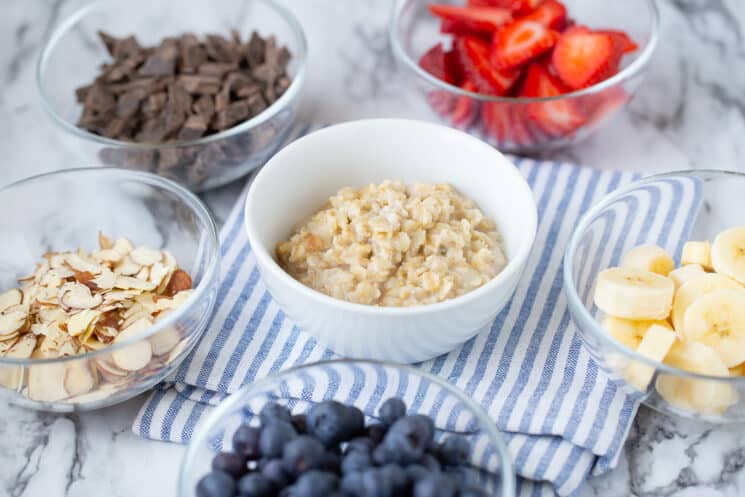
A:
(190, 200)
(507, 472)
(514, 264)
(584, 315)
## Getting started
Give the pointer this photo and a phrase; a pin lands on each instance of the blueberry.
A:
(388, 481)
(332, 422)
(383, 455)
(431, 463)
(274, 471)
(331, 462)
(416, 472)
(255, 485)
(300, 423)
(435, 485)
(273, 412)
(396, 475)
(454, 451)
(363, 444)
(231, 463)
(315, 483)
(409, 437)
(392, 410)
(352, 484)
(216, 484)
(357, 460)
(274, 437)
(471, 491)
(246, 442)
(376, 432)
(303, 453)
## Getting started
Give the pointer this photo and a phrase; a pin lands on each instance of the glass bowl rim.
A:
(188, 199)
(623, 75)
(281, 103)
(586, 321)
(236, 398)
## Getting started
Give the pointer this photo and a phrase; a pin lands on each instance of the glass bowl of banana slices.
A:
(107, 280)
(655, 282)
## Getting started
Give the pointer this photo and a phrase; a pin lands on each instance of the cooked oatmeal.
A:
(395, 245)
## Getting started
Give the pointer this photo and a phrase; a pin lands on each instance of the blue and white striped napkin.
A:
(564, 419)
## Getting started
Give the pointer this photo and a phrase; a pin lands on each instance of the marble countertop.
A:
(690, 113)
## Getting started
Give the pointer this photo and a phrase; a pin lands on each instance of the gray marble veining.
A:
(689, 113)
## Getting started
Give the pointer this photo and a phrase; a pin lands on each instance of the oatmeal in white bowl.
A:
(449, 296)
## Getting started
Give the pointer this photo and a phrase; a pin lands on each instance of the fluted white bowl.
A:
(299, 179)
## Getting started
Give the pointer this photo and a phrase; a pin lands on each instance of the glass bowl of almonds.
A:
(107, 280)
(655, 281)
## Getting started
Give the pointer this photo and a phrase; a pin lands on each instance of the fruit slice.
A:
(634, 294)
(718, 320)
(630, 333)
(692, 290)
(684, 274)
(473, 57)
(520, 42)
(470, 20)
(655, 345)
(650, 258)
(704, 396)
(582, 57)
(627, 44)
(697, 253)
(550, 13)
(435, 62)
(557, 117)
(516, 6)
(728, 254)
(466, 108)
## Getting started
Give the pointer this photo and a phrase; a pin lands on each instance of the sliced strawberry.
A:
(473, 56)
(442, 102)
(521, 41)
(466, 108)
(599, 106)
(551, 13)
(440, 64)
(627, 44)
(583, 57)
(555, 117)
(515, 6)
(470, 20)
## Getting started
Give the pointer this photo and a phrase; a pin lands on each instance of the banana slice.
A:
(692, 290)
(704, 396)
(634, 294)
(684, 274)
(738, 370)
(655, 345)
(650, 258)
(697, 253)
(728, 254)
(630, 333)
(718, 320)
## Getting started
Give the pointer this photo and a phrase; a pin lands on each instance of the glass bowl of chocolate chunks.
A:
(197, 94)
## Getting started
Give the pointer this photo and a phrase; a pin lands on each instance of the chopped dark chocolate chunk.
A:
(162, 62)
(194, 127)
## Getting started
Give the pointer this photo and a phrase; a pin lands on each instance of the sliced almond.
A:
(107, 255)
(12, 321)
(105, 334)
(174, 302)
(146, 256)
(78, 263)
(79, 379)
(106, 280)
(179, 282)
(39, 329)
(164, 341)
(46, 382)
(50, 314)
(120, 296)
(10, 339)
(137, 355)
(143, 274)
(104, 242)
(6, 345)
(132, 319)
(147, 302)
(10, 298)
(127, 267)
(80, 322)
(47, 296)
(123, 246)
(23, 348)
(158, 272)
(55, 260)
(77, 296)
(109, 369)
(130, 283)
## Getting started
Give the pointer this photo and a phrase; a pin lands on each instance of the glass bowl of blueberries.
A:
(348, 428)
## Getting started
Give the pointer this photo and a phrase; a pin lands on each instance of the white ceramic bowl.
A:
(297, 181)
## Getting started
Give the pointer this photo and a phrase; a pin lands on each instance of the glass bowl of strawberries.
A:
(525, 75)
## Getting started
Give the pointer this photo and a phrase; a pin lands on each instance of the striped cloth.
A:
(564, 419)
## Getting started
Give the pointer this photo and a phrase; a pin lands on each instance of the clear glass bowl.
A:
(64, 210)
(507, 123)
(73, 54)
(357, 383)
(666, 210)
